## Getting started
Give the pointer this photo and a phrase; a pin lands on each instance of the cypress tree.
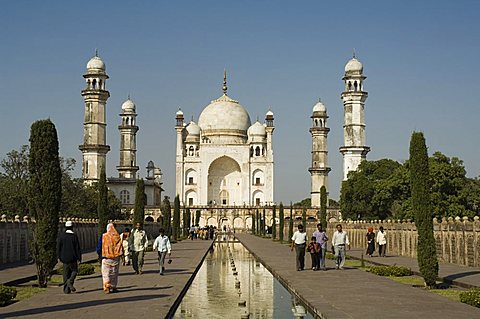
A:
(198, 214)
(139, 209)
(176, 218)
(274, 223)
(290, 224)
(188, 216)
(323, 207)
(254, 221)
(102, 202)
(263, 223)
(420, 188)
(45, 196)
(167, 213)
(257, 221)
(282, 222)
(304, 218)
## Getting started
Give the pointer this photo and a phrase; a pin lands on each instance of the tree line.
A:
(382, 190)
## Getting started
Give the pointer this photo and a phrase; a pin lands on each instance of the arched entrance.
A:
(224, 182)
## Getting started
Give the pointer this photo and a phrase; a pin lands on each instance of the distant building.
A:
(224, 160)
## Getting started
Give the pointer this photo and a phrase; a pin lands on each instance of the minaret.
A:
(127, 167)
(179, 154)
(319, 169)
(94, 147)
(354, 149)
(269, 170)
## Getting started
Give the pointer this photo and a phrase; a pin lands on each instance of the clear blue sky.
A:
(420, 59)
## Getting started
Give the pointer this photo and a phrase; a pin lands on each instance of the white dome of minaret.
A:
(128, 105)
(354, 65)
(257, 129)
(319, 107)
(96, 64)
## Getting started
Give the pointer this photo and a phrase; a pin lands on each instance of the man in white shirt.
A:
(162, 243)
(137, 244)
(299, 241)
(339, 243)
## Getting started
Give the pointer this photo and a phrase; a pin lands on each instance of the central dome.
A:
(224, 116)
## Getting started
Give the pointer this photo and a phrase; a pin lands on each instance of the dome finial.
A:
(354, 55)
(225, 81)
(128, 97)
(96, 52)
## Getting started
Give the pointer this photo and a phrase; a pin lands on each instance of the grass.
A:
(25, 292)
(451, 293)
(409, 280)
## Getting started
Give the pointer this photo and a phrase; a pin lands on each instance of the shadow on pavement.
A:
(461, 275)
(90, 303)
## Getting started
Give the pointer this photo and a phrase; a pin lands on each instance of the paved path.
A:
(458, 275)
(20, 274)
(140, 296)
(352, 293)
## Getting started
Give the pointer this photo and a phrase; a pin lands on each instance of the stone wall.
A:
(15, 235)
(457, 239)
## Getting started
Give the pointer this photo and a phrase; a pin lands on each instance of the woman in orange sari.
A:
(111, 251)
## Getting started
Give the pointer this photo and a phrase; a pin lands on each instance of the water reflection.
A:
(232, 284)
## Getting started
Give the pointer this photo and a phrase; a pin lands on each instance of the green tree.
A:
(176, 218)
(45, 196)
(188, 220)
(264, 223)
(323, 207)
(254, 222)
(139, 208)
(102, 202)
(198, 214)
(420, 186)
(282, 222)
(307, 202)
(274, 225)
(14, 183)
(167, 215)
(290, 224)
(304, 218)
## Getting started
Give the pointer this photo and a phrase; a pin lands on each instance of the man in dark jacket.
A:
(69, 253)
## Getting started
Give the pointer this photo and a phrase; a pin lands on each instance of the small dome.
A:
(319, 107)
(179, 112)
(128, 105)
(96, 63)
(269, 113)
(354, 66)
(257, 129)
(193, 129)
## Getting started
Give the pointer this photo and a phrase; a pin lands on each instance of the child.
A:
(162, 243)
(314, 250)
(126, 254)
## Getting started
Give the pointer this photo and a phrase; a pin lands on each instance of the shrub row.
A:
(391, 271)
(7, 294)
(471, 297)
(83, 270)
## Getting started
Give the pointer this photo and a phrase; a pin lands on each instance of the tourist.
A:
(339, 243)
(382, 242)
(322, 240)
(211, 232)
(110, 248)
(370, 241)
(163, 246)
(299, 241)
(192, 232)
(314, 249)
(69, 253)
(138, 243)
(126, 253)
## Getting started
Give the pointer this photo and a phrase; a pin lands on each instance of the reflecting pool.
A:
(232, 284)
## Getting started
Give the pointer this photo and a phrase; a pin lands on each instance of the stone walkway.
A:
(352, 293)
(140, 296)
(462, 276)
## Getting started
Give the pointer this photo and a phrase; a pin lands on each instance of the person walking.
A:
(322, 240)
(70, 254)
(340, 242)
(163, 246)
(126, 253)
(110, 248)
(314, 249)
(138, 243)
(370, 241)
(299, 241)
(382, 242)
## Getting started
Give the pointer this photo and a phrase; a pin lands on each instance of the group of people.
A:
(317, 247)
(207, 232)
(380, 238)
(113, 248)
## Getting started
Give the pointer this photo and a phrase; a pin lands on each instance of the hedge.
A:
(471, 297)
(83, 270)
(7, 294)
(391, 271)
